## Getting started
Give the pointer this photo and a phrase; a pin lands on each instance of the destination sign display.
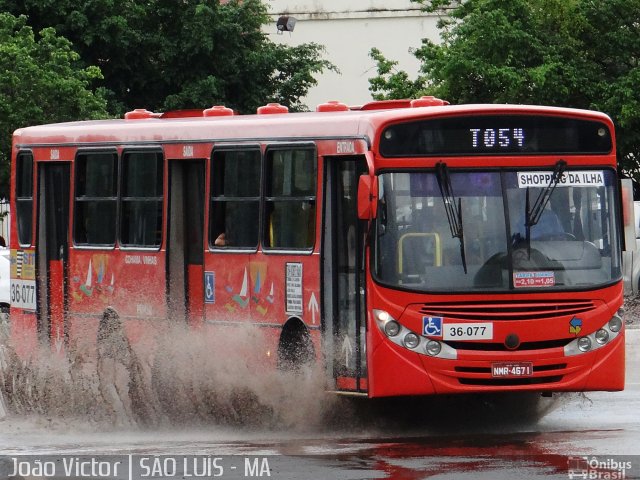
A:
(580, 178)
(496, 135)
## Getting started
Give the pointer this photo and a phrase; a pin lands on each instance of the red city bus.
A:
(414, 248)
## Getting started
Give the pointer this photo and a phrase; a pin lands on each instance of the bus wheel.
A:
(295, 349)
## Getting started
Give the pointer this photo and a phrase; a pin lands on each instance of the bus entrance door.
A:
(52, 253)
(185, 250)
(344, 275)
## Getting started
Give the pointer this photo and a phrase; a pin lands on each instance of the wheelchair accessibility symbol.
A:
(432, 326)
(209, 287)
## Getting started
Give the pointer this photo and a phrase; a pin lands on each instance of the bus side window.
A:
(96, 197)
(290, 199)
(235, 199)
(141, 208)
(24, 197)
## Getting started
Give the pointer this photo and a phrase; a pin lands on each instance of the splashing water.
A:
(188, 376)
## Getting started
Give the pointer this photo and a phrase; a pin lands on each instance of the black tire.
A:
(295, 349)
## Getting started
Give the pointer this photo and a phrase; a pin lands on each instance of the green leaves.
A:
(165, 54)
(91, 58)
(293, 73)
(391, 83)
(574, 53)
(41, 81)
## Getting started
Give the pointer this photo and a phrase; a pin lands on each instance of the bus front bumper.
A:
(395, 371)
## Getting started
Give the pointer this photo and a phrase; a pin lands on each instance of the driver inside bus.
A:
(547, 228)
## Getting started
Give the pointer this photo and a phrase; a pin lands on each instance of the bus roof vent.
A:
(332, 106)
(428, 101)
(383, 105)
(217, 111)
(185, 113)
(139, 113)
(270, 108)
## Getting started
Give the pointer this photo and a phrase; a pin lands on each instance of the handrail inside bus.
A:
(437, 253)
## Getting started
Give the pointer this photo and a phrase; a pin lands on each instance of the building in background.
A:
(349, 29)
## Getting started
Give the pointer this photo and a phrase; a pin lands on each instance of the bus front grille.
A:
(501, 347)
(509, 310)
(481, 375)
(536, 369)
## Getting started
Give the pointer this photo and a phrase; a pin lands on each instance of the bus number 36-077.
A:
(23, 293)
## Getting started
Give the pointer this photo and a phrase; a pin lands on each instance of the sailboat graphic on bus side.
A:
(242, 298)
(87, 288)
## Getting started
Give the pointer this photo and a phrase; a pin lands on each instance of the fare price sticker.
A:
(534, 279)
(468, 331)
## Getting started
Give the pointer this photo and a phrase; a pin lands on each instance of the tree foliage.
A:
(574, 53)
(392, 83)
(168, 54)
(91, 58)
(40, 82)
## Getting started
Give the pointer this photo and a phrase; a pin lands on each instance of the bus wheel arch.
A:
(295, 347)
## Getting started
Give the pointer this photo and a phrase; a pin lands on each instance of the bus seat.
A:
(573, 255)
(493, 272)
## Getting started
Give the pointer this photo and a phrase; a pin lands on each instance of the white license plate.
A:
(511, 370)
(468, 331)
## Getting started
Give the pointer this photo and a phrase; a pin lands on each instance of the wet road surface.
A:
(476, 436)
(493, 439)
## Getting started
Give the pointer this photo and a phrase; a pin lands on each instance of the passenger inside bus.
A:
(221, 240)
(237, 225)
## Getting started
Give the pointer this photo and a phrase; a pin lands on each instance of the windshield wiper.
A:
(533, 214)
(454, 212)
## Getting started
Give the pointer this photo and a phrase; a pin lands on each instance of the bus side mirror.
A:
(367, 197)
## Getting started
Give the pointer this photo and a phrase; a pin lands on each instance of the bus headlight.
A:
(387, 323)
(411, 340)
(404, 337)
(392, 328)
(598, 339)
(602, 336)
(433, 348)
(584, 344)
(615, 324)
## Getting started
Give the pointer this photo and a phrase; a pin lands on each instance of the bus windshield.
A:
(476, 231)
